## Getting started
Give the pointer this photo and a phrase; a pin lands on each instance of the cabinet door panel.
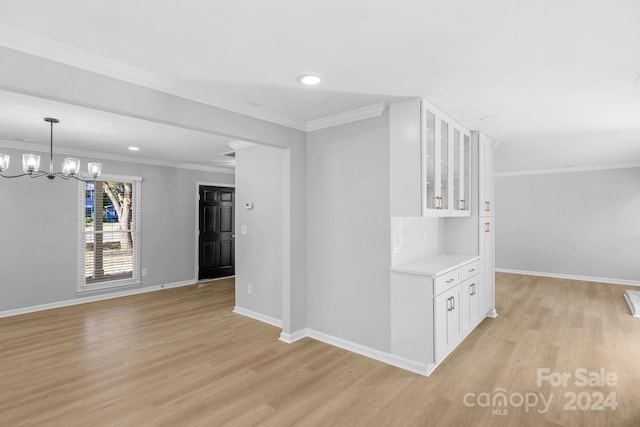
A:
(487, 256)
(453, 318)
(429, 159)
(469, 290)
(456, 166)
(486, 177)
(466, 173)
(447, 321)
(444, 165)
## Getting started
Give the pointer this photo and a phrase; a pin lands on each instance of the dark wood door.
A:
(217, 257)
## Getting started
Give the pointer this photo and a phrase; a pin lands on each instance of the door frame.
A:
(197, 225)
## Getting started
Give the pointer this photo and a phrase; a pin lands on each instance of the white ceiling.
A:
(83, 129)
(559, 74)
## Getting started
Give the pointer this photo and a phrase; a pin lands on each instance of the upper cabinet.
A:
(485, 146)
(445, 154)
(430, 162)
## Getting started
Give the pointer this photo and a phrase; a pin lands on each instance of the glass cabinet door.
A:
(458, 198)
(446, 159)
(460, 171)
(430, 161)
(466, 173)
(443, 157)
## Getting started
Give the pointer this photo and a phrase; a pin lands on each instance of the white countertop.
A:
(435, 266)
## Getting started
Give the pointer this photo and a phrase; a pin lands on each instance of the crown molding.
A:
(114, 157)
(346, 117)
(59, 52)
(569, 169)
(239, 145)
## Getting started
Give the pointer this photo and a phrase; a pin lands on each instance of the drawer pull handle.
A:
(449, 304)
(487, 206)
(450, 280)
(472, 289)
(472, 270)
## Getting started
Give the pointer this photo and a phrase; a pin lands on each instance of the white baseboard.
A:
(92, 298)
(258, 316)
(381, 356)
(572, 277)
(296, 336)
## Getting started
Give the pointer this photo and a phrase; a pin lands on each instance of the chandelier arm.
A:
(67, 177)
(82, 180)
(13, 176)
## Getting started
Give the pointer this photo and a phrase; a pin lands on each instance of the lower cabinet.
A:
(447, 321)
(432, 313)
(470, 293)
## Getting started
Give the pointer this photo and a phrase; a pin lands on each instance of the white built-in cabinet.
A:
(430, 162)
(435, 304)
(446, 154)
(440, 169)
(486, 232)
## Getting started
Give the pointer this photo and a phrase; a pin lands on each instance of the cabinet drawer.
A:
(444, 282)
(469, 270)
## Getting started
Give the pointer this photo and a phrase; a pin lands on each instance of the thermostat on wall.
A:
(248, 205)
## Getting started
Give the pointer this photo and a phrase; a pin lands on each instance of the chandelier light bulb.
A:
(94, 169)
(30, 163)
(4, 162)
(71, 166)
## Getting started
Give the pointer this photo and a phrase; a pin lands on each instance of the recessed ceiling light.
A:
(309, 79)
(488, 118)
(134, 149)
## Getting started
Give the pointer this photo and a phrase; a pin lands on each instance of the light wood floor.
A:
(180, 357)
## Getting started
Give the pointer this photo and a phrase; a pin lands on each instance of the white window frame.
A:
(136, 228)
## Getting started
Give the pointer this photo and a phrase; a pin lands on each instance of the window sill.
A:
(103, 286)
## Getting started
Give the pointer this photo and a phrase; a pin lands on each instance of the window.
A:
(110, 233)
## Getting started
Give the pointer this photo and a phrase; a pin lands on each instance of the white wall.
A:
(348, 228)
(60, 82)
(39, 234)
(259, 253)
(581, 223)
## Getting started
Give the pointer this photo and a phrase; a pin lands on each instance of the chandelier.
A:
(31, 164)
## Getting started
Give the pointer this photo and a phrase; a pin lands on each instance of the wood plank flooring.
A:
(180, 357)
